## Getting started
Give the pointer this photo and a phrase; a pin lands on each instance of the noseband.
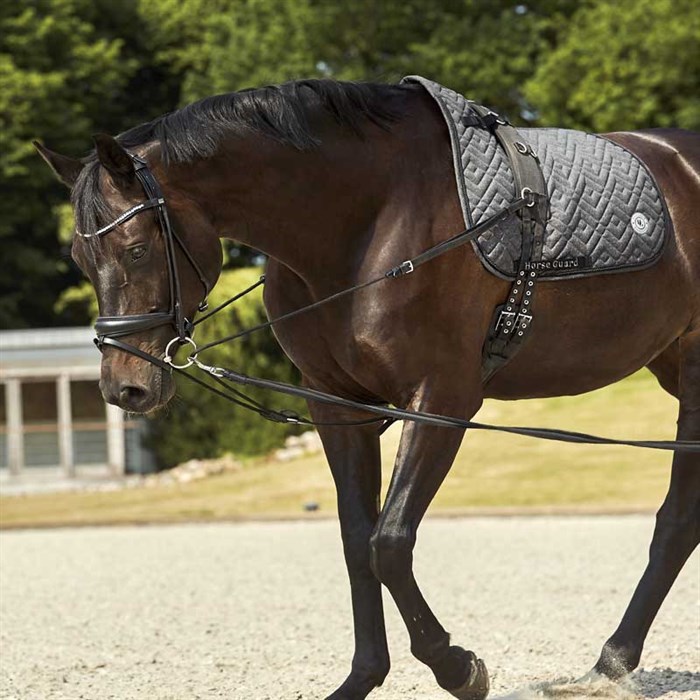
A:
(109, 327)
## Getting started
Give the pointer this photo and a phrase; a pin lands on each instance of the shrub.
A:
(199, 424)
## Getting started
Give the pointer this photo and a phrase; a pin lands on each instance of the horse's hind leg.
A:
(354, 457)
(425, 456)
(677, 531)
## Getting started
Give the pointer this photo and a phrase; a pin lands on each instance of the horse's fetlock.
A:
(391, 555)
(431, 654)
(375, 670)
(455, 669)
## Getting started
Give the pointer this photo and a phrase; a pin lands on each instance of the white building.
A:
(53, 420)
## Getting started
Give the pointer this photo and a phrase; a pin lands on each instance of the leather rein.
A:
(110, 329)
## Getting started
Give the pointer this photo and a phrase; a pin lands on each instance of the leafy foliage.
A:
(636, 64)
(68, 68)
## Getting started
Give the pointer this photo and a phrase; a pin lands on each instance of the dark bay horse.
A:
(337, 183)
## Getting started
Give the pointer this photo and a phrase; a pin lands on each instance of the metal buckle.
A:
(522, 318)
(209, 369)
(181, 341)
(499, 119)
(502, 317)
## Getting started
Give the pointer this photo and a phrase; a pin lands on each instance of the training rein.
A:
(110, 329)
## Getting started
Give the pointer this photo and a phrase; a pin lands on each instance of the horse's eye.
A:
(137, 252)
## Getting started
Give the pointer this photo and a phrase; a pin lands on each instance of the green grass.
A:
(492, 471)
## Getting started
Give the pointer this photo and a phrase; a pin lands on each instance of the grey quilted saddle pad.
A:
(607, 214)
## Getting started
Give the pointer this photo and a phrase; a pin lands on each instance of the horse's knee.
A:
(677, 530)
(356, 550)
(391, 554)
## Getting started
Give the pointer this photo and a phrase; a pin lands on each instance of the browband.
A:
(123, 218)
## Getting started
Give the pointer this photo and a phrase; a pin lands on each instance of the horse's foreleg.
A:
(425, 456)
(354, 457)
(677, 531)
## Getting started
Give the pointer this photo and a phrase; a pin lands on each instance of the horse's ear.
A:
(114, 158)
(65, 168)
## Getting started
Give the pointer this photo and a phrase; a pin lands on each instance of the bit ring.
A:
(181, 341)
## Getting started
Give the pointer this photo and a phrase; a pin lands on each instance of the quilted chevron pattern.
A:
(606, 211)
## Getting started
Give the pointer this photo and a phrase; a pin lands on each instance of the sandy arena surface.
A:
(261, 611)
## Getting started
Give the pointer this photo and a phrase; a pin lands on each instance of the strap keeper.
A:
(529, 196)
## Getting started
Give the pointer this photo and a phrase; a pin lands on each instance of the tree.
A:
(489, 48)
(484, 49)
(623, 65)
(68, 68)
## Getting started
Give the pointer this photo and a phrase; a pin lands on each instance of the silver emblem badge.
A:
(640, 223)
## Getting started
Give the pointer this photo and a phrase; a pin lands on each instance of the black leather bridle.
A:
(108, 328)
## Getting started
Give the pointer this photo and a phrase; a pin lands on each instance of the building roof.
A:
(48, 351)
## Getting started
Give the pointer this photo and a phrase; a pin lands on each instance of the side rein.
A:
(109, 327)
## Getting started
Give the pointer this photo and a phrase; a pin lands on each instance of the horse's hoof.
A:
(476, 687)
(616, 662)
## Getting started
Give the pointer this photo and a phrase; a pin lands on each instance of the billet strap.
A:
(459, 239)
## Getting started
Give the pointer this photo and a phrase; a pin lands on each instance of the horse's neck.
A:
(313, 211)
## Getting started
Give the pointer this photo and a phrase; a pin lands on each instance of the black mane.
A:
(279, 112)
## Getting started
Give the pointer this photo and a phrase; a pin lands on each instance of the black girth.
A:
(107, 327)
(512, 321)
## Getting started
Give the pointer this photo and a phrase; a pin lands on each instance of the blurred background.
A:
(70, 68)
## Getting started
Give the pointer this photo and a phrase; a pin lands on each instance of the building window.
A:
(40, 418)
(89, 423)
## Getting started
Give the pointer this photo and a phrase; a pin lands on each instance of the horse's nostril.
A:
(130, 395)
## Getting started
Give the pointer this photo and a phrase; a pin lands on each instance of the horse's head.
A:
(151, 254)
